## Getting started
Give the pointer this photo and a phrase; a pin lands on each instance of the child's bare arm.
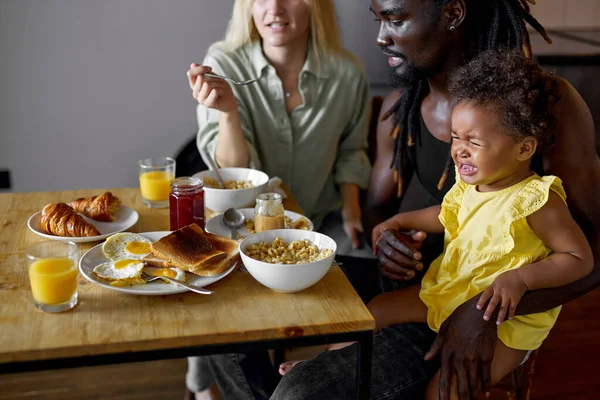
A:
(571, 257)
(425, 220)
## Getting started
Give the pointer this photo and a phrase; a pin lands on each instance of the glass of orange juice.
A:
(156, 175)
(53, 275)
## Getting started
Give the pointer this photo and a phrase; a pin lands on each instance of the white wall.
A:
(570, 14)
(87, 87)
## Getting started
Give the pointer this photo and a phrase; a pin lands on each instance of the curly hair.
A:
(493, 23)
(518, 91)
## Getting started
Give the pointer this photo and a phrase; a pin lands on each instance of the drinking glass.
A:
(52, 267)
(155, 176)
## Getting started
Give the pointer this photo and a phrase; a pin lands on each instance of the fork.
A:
(243, 83)
(149, 278)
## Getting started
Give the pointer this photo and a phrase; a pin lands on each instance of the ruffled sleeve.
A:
(451, 206)
(531, 198)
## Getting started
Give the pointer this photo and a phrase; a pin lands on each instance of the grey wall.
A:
(87, 87)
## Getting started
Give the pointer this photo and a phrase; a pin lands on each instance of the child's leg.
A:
(397, 307)
(505, 361)
(390, 308)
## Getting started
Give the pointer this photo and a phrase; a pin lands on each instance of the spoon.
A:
(214, 167)
(234, 220)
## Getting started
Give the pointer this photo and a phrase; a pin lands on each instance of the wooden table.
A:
(109, 327)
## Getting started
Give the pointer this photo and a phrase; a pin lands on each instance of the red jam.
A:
(186, 202)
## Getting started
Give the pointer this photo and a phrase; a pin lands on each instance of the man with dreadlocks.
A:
(427, 40)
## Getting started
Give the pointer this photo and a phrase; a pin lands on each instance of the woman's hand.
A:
(352, 224)
(211, 92)
(506, 291)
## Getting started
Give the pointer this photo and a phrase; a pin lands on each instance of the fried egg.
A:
(172, 272)
(126, 245)
(121, 270)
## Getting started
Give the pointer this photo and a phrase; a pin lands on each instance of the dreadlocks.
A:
(498, 23)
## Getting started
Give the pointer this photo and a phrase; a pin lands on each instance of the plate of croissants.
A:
(83, 220)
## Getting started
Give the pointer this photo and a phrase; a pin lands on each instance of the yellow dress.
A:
(487, 234)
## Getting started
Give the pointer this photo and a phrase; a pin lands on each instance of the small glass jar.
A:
(186, 202)
(269, 212)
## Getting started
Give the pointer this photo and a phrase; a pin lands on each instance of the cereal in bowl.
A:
(213, 183)
(279, 252)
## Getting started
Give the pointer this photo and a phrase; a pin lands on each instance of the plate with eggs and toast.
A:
(188, 255)
(83, 220)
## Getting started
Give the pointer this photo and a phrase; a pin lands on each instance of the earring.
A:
(452, 28)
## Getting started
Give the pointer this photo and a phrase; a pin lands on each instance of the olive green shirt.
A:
(317, 147)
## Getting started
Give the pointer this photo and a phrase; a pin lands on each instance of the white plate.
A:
(216, 226)
(125, 218)
(95, 256)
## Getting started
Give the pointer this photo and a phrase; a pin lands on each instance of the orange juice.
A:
(53, 280)
(156, 185)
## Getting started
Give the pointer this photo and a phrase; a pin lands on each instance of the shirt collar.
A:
(260, 62)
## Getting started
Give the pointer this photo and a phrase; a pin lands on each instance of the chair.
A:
(188, 159)
(517, 385)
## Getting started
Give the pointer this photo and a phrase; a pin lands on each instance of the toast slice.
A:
(229, 246)
(220, 266)
(188, 249)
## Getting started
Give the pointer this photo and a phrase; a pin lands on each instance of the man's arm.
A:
(382, 201)
(574, 160)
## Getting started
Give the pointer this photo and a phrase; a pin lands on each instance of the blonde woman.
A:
(304, 120)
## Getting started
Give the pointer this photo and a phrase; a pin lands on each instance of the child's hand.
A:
(507, 290)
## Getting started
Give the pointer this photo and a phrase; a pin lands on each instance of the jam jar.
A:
(269, 212)
(186, 202)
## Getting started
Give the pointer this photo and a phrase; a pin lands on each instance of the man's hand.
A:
(398, 254)
(506, 291)
(466, 346)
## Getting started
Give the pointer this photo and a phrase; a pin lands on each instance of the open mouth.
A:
(278, 25)
(467, 170)
(395, 61)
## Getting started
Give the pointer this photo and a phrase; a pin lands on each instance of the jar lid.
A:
(269, 197)
(187, 183)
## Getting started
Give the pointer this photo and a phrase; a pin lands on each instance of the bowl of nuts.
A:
(288, 260)
(242, 185)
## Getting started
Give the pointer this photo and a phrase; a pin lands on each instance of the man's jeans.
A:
(398, 371)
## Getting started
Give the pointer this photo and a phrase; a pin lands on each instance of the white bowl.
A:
(219, 200)
(288, 278)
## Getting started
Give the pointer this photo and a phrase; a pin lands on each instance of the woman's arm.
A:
(571, 257)
(351, 213)
(216, 94)
(232, 149)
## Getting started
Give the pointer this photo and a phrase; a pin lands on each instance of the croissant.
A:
(98, 208)
(61, 220)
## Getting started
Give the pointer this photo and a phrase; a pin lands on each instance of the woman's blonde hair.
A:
(324, 32)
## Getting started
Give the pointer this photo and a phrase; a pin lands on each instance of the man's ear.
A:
(527, 149)
(455, 12)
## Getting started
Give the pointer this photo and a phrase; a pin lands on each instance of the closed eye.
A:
(476, 144)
